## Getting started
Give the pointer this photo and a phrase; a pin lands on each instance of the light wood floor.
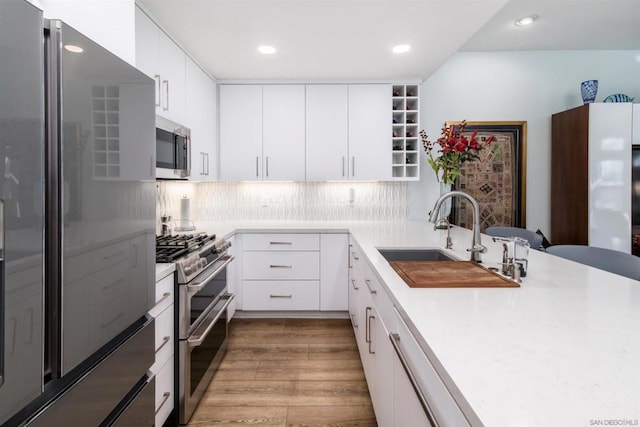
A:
(288, 372)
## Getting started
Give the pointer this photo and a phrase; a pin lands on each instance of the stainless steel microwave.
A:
(173, 150)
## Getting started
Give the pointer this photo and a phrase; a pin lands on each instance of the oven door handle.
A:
(195, 342)
(192, 289)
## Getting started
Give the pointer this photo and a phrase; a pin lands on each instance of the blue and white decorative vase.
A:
(588, 89)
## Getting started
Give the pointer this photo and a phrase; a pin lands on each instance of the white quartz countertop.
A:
(561, 350)
(163, 270)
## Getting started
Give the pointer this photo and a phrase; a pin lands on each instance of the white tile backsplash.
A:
(284, 200)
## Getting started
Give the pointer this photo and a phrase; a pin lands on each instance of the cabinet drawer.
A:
(280, 265)
(164, 295)
(265, 295)
(164, 392)
(164, 338)
(281, 242)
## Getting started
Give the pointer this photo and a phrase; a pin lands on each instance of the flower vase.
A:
(445, 208)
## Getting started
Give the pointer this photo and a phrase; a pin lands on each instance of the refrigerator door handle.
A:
(2, 293)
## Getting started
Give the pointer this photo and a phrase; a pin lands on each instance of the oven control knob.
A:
(202, 262)
(188, 270)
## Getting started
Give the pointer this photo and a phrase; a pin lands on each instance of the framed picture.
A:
(498, 180)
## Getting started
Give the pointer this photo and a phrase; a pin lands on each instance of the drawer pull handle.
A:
(395, 340)
(165, 397)
(281, 296)
(165, 340)
(280, 266)
(353, 283)
(164, 297)
(368, 282)
(280, 243)
(353, 321)
(353, 254)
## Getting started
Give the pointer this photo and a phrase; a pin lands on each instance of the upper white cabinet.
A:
(160, 58)
(327, 133)
(240, 132)
(201, 112)
(369, 131)
(262, 132)
(283, 133)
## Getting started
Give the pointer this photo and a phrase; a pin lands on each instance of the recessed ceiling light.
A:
(527, 20)
(267, 50)
(73, 48)
(401, 48)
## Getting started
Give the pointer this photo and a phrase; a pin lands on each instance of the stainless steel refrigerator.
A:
(77, 207)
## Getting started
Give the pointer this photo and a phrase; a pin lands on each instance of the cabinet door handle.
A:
(343, 166)
(353, 283)
(353, 254)
(165, 83)
(165, 340)
(280, 266)
(164, 297)
(370, 340)
(267, 168)
(281, 296)
(152, 167)
(367, 332)
(165, 397)
(395, 340)
(202, 170)
(368, 282)
(158, 89)
(207, 164)
(280, 243)
(257, 171)
(353, 321)
(349, 258)
(353, 165)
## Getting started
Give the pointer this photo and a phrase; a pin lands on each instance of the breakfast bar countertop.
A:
(561, 350)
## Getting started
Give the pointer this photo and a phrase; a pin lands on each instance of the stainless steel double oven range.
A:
(201, 322)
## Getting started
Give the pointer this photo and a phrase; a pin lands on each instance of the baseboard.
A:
(291, 314)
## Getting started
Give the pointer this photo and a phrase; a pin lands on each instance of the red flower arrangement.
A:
(455, 149)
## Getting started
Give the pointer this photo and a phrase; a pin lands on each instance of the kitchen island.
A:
(561, 350)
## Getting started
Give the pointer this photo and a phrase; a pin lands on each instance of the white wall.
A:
(504, 86)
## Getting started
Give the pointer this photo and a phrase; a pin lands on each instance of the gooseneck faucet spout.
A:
(476, 243)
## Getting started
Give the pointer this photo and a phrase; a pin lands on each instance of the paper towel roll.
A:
(185, 208)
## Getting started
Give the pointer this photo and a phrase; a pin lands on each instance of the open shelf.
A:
(405, 142)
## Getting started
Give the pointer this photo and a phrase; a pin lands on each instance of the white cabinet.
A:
(369, 132)
(262, 133)
(407, 408)
(163, 366)
(283, 132)
(233, 277)
(240, 132)
(327, 133)
(334, 258)
(201, 118)
(163, 60)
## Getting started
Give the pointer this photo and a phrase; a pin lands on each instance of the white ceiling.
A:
(352, 39)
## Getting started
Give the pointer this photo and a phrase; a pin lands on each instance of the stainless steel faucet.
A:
(476, 243)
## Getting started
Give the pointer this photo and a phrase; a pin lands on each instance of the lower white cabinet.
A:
(163, 366)
(291, 295)
(293, 271)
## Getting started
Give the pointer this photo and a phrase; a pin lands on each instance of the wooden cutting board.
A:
(449, 274)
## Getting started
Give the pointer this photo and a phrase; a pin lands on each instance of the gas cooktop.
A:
(173, 247)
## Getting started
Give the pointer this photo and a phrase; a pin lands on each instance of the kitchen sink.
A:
(415, 255)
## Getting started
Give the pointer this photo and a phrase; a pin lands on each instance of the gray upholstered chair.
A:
(535, 240)
(605, 259)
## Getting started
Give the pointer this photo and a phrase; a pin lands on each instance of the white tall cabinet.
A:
(161, 59)
(327, 132)
(201, 118)
(240, 132)
(283, 132)
(369, 131)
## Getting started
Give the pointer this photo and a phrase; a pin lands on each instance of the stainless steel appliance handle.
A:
(195, 288)
(395, 340)
(2, 293)
(195, 342)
